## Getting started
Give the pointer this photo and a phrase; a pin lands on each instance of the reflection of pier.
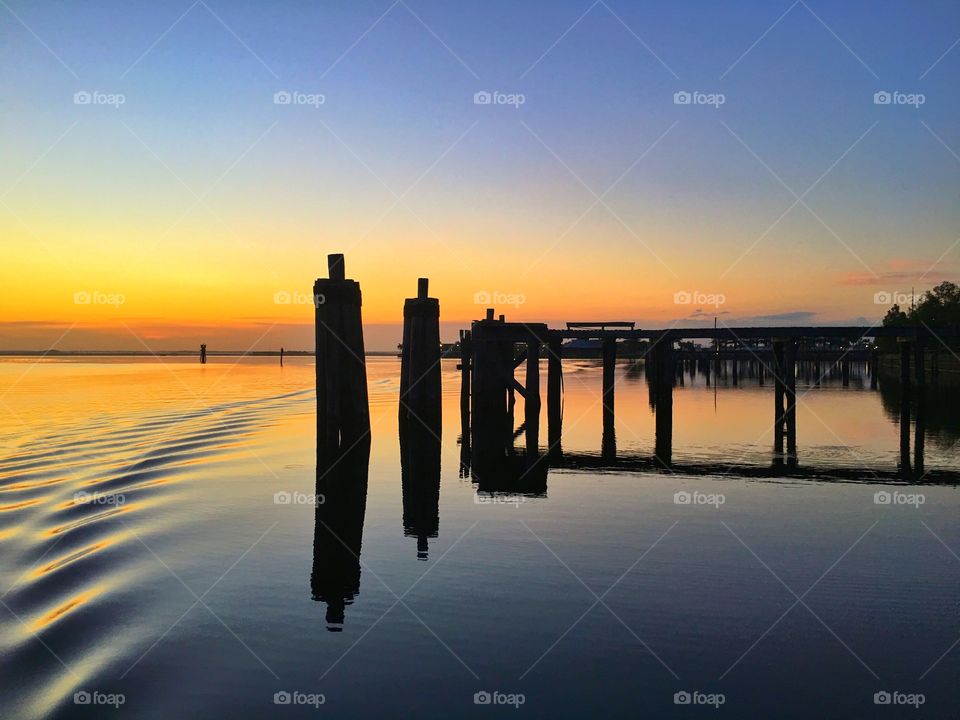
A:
(494, 349)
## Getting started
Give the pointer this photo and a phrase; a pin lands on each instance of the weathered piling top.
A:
(336, 288)
(421, 304)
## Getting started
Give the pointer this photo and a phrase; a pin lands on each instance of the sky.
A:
(157, 192)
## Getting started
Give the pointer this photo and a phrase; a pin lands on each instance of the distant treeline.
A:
(939, 307)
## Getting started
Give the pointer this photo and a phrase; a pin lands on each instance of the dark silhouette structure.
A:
(420, 358)
(420, 480)
(343, 413)
(203, 354)
(338, 529)
(490, 356)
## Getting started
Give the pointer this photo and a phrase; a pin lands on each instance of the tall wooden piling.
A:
(663, 363)
(420, 358)
(779, 415)
(489, 414)
(906, 349)
(790, 392)
(609, 367)
(531, 401)
(203, 354)
(466, 356)
(554, 390)
(343, 413)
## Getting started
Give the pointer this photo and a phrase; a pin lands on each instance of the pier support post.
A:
(489, 397)
(906, 350)
(778, 396)
(203, 354)
(466, 357)
(845, 371)
(874, 368)
(609, 365)
(420, 358)
(554, 390)
(531, 401)
(663, 422)
(790, 389)
(343, 414)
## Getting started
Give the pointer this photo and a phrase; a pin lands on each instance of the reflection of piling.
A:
(343, 415)
(203, 354)
(420, 479)
(420, 360)
(338, 528)
(874, 368)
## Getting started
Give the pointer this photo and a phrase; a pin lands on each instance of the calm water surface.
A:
(157, 543)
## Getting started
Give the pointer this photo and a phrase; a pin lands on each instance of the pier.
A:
(493, 351)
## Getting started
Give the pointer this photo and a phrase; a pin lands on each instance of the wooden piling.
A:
(609, 366)
(790, 391)
(420, 358)
(203, 354)
(531, 402)
(663, 363)
(554, 390)
(488, 397)
(343, 413)
(905, 350)
(465, 358)
(778, 396)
